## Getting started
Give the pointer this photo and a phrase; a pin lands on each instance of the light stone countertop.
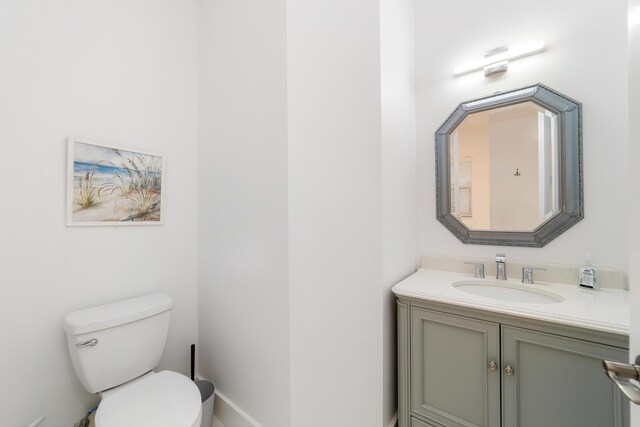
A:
(605, 310)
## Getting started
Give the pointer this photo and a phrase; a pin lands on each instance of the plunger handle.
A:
(193, 361)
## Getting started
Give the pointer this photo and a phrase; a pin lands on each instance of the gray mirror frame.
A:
(569, 114)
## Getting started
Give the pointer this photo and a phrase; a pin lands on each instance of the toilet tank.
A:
(113, 343)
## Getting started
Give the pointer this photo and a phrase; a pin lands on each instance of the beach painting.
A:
(109, 185)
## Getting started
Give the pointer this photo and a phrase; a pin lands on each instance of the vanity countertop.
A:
(604, 310)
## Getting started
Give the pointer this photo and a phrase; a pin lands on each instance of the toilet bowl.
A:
(114, 349)
(163, 399)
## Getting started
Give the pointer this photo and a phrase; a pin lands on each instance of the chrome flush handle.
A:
(90, 343)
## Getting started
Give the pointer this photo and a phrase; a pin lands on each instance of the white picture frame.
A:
(112, 185)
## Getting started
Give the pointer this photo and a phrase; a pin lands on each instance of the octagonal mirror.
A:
(509, 168)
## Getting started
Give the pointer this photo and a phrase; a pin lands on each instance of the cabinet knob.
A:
(508, 370)
(493, 366)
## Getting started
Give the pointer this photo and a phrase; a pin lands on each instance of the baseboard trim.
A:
(394, 421)
(230, 414)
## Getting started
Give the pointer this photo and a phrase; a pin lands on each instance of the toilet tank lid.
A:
(118, 313)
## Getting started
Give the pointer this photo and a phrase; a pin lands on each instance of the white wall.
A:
(514, 199)
(298, 189)
(335, 215)
(122, 72)
(578, 63)
(243, 309)
(397, 52)
(634, 178)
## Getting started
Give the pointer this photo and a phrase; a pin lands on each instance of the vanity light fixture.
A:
(497, 60)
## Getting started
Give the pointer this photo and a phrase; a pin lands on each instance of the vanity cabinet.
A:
(492, 371)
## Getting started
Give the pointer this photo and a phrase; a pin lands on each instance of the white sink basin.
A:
(508, 292)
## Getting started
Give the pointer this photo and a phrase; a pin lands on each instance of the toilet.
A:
(114, 349)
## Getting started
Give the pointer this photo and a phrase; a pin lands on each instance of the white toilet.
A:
(114, 348)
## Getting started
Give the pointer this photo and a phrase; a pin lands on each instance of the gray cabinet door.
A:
(559, 382)
(450, 380)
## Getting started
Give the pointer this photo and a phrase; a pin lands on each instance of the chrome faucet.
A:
(501, 267)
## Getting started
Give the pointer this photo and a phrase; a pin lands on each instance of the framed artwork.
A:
(111, 185)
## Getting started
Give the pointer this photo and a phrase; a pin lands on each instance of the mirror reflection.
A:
(504, 168)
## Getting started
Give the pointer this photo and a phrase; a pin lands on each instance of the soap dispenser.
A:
(588, 275)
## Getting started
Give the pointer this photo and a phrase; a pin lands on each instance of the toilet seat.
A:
(166, 399)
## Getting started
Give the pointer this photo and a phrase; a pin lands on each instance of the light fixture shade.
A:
(512, 52)
(498, 67)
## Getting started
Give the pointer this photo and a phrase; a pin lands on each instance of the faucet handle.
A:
(527, 274)
(479, 273)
